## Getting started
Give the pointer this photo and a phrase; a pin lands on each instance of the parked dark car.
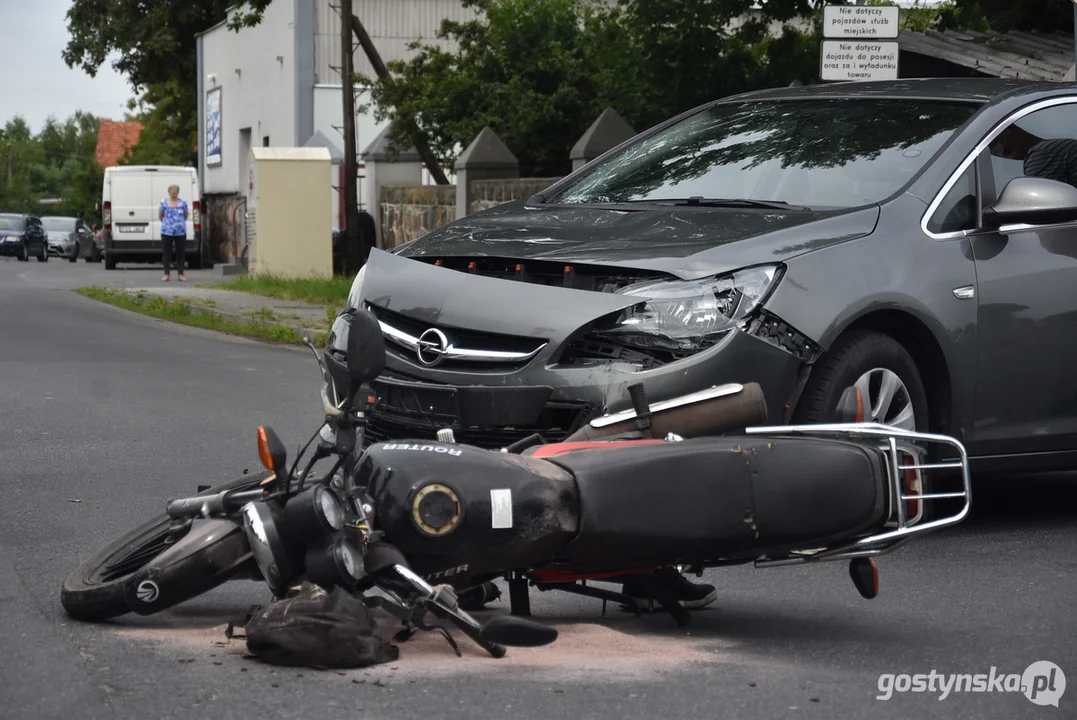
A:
(70, 238)
(914, 238)
(22, 236)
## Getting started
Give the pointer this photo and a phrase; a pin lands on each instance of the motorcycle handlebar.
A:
(689, 418)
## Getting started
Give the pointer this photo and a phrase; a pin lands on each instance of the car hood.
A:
(59, 235)
(686, 242)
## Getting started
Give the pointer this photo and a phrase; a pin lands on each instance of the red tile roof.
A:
(113, 139)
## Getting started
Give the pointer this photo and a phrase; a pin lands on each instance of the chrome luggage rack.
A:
(894, 443)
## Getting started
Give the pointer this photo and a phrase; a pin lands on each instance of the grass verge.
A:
(178, 312)
(332, 291)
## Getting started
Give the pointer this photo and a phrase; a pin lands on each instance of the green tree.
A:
(1007, 15)
(56, 163)
(154, 44)
(539, 71)
(523, 68)
(169, 130)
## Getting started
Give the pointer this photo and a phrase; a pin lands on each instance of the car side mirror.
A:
(1033, 201)
(366, 348)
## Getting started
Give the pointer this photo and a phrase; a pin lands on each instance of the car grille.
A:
(555, 423)
(475, 340)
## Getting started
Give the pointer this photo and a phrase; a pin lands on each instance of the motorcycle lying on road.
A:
(692, 483)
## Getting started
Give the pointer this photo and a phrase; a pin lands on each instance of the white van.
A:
(130, 198)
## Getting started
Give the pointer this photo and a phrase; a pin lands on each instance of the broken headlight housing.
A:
(686, 316)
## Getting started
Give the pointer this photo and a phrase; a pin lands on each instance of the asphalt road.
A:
(105, 414)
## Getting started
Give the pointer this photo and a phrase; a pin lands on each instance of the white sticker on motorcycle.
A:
(500, 509)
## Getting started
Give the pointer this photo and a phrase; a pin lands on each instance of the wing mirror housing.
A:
(1033, 201)
(366, 348)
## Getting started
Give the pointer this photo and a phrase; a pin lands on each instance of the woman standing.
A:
(173, 215)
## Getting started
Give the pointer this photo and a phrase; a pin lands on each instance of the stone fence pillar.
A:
(605, 133)
(386, 165)
(486, 158)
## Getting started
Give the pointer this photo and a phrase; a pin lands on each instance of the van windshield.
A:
(12, 222)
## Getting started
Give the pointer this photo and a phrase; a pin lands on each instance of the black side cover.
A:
(719, 498)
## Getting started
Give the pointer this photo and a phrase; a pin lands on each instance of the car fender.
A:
(895, 269)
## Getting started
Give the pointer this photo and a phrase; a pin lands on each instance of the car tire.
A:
(110, 262)
(855, 354)
(24, 256)
(43, 256)
(74, 254)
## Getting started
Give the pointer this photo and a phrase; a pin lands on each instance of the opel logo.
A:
(432, 347)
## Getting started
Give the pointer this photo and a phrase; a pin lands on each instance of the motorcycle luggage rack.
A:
(892, 446)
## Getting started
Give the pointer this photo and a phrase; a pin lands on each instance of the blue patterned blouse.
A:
(174, 222)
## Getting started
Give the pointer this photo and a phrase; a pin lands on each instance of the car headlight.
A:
(689, 315)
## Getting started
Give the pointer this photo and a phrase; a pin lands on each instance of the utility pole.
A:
(418, 138)
(355, 252)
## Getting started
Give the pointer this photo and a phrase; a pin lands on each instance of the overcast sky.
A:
(34, 79)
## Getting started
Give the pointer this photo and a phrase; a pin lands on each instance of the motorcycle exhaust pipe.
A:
(705, 413)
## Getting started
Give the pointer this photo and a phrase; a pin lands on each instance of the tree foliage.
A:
(56, 163)
(154, 46)
(539, 71)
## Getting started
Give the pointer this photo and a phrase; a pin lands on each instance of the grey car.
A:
(915, 239)
(70, 238)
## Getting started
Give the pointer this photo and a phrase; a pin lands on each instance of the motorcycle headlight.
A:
(261, 523)
(690, 315)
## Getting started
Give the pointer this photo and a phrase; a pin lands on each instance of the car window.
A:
(12, 223)
(958, 209)
(59, 224)
(1041, 144)
(835, 153)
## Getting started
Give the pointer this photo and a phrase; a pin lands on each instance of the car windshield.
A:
(820, 153)
(12, 222)
(55, 223)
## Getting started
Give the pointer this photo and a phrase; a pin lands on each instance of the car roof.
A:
(980, 90)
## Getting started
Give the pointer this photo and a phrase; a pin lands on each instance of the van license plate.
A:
(132, 228)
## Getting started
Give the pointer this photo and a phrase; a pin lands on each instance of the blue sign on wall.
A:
(213, 127)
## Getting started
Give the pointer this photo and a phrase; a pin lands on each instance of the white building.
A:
(278, 84)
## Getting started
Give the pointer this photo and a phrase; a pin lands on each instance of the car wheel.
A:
(883, 370)
(43, 256)
(887, 377)
(24, 256)
(74, 254)
(110, 262)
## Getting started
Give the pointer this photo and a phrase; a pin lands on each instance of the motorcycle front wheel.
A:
(94, 590)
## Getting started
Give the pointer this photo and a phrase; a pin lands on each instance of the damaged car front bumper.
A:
(537, 365)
